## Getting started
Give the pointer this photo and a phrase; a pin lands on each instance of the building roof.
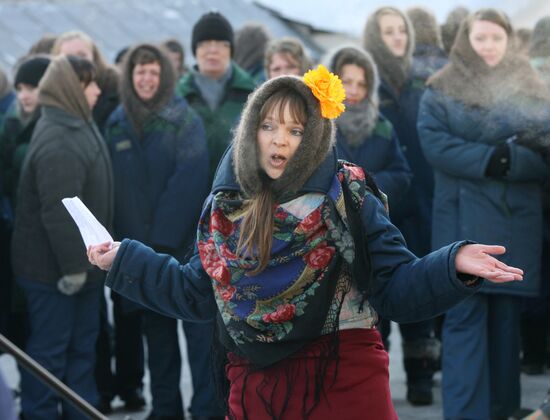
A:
(115, 24)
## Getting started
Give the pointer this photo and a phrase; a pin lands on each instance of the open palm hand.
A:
(476, 259)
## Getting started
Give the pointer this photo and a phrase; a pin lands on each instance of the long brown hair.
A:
(258, 225)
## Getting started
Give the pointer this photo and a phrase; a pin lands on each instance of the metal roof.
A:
(114, 24)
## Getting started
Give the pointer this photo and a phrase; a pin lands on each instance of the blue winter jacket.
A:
(414, 216)
(381, 156)
(458, 141)
(405, 288)
(161, 179)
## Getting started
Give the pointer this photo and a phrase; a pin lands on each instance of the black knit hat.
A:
(212, 25)
(31, 71)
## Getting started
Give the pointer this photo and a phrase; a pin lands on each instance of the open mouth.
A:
(277, 160)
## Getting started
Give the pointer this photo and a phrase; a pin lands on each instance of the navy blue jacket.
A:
(458, 141)
(405, 288)
(161, 179)
(381, 156)
(414, 217)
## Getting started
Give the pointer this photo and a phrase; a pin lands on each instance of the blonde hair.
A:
(99, 62)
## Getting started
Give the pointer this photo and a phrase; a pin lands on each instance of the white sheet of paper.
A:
(93, 232)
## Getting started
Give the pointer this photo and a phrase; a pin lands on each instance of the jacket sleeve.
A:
(526, 165)
(178, 209)
(444, 151)
(457, 157)
(61, 173)
(161, 283)
(406, 288)
(395, 179)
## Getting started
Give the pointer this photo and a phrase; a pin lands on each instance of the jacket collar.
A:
(62, 117)
(320, 181)
(240, 80)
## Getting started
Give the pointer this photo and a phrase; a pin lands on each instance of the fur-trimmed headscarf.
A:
(317, 140)
(394, 70)
(426, 30)
(5, 86)
(357, 121)
(138, 110)
(61, 88)
(250, 45)
(468, 79)
(540, 39)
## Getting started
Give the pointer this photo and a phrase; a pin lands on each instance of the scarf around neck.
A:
(513, 82)
(357, 122)
(271, 315)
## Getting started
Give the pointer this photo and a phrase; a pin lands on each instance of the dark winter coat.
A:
(109, 98)
(67, 157)
(161, 178)
(458, 141)
(381, 156)
(404, 289)
(218, 123)
(413, 219)
(5, 102)
(427, 59)
(14, 142)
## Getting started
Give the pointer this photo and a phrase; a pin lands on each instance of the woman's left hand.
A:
(475, 259)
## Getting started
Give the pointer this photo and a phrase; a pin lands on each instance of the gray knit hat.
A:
(316, 142)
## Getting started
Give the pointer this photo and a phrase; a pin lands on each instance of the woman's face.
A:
(489, 41)
(393, 31)
(92, 92)
(355, 84)
(278, 140)
(282, 64)
(146, 80)
(77, 47)
(27, 95)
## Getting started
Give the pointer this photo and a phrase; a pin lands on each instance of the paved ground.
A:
(534, 388)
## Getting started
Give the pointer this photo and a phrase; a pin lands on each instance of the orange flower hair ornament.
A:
(328, 89)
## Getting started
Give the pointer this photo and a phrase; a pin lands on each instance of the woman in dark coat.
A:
(363, 135)
(277, 264)
(480, 125)
(389, 37)
(67, 157)
(160, 164)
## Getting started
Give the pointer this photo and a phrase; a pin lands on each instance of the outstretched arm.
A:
(156, 281)
(409, 289)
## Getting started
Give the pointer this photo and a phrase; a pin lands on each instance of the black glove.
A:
(499, 163)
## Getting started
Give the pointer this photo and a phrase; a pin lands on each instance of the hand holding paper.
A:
(103, 255)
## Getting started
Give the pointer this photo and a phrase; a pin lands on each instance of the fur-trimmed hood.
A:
(393, 70)
(426, 30)
(469, 80)
(139, 111)
(350, 54)
(316, 142)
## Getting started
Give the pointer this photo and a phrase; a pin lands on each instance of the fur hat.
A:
(138, 110)
(317, 140)
(540, 39)
(426, 30)
(250, 44)
(393, 70)
(354, 55)
(212, 25)
(31, 71)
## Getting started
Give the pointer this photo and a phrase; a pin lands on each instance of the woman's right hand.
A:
(103, 255)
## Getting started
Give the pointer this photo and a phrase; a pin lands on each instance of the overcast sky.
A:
(350, 15)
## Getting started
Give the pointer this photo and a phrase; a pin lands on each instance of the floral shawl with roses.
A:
(269, 316)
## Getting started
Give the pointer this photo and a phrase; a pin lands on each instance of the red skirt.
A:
(360, 390)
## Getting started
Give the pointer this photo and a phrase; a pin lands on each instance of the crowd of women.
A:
(300, 261)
